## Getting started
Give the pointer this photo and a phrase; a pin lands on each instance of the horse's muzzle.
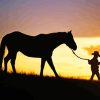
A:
(75, 48)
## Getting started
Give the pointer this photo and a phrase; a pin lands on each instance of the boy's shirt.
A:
(94, 64)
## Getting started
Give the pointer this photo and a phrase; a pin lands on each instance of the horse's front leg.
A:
(49, 60)
(42, 66)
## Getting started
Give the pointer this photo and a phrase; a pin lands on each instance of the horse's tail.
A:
(2, 50)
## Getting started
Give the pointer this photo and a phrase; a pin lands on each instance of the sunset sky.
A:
(33, 17)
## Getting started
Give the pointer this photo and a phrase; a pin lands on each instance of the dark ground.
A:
(31, 87)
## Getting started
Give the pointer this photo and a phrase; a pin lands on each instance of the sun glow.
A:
(66, 63)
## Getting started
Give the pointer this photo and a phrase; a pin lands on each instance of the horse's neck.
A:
(56, 40)
(53, 40)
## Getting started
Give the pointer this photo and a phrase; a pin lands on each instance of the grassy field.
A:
(32, 87)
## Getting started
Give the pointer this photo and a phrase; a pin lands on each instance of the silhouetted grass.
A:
(34, 87)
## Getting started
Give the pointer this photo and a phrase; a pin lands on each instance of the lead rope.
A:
(78, 56)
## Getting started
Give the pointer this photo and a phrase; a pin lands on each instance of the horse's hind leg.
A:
(6, 59)
(13, 58)
(42, 66)
(49, 60)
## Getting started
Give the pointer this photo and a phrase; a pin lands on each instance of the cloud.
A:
(92, 48)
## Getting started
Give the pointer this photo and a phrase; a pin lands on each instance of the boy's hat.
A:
(96, 53)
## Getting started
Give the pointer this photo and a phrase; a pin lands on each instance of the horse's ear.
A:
(70, 31)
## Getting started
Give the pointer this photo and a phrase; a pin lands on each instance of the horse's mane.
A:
(56, 33)
(50, 34)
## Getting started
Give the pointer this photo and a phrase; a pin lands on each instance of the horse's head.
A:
(69, 40)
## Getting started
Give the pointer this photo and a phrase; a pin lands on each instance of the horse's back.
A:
(21, 40)
(16, 34)
(19, 36)
(16, 39)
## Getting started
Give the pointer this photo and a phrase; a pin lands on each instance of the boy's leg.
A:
(92, 76)
(98, 76)
(93, 73)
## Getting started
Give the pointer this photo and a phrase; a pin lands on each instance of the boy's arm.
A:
(98, 63)
(89, 61)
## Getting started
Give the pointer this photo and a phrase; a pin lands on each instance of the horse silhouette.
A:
(40, 46)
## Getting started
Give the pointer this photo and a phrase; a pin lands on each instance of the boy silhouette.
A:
(94, 65)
